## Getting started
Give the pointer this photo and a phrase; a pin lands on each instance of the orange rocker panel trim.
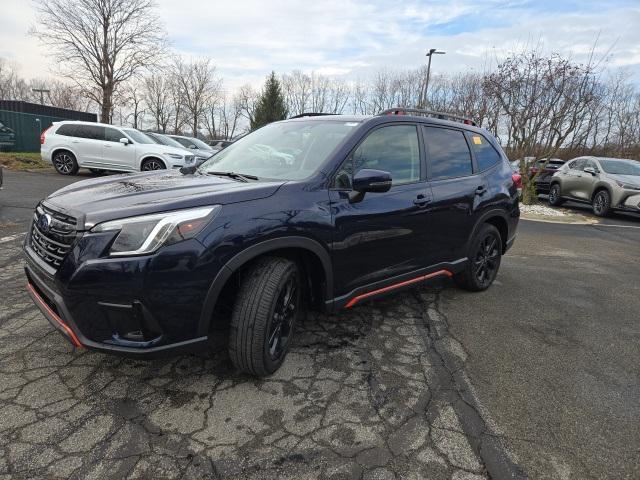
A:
(421, 278)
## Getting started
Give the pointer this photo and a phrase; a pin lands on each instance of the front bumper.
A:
(138, 306)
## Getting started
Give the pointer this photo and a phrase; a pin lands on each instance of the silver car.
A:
(606, 183)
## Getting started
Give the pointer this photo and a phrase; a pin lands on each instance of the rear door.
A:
(385, 234)
(571, 179)
(118, 155)
(87, 143)
(457, 189)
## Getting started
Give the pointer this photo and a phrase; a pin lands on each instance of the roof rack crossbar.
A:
(311, 114)
(428, 113)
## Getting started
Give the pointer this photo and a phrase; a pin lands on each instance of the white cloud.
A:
(249, 38)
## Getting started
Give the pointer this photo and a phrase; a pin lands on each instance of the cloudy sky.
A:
(249, 38)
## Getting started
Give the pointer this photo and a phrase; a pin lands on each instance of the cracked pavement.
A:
(537, 376)
(359, 396)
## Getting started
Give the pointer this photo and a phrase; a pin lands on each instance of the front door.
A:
(118, 155)
(382, 235)
(585, 181)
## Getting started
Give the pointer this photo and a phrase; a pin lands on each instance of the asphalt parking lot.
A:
(539, 376)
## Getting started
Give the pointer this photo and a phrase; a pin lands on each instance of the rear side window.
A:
(92, 132)
(68, 130)
(486, 155)
(449, 154)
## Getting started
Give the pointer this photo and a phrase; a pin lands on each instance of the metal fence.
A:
(21, 123)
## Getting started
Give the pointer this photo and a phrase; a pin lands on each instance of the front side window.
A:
(282, 151)
(394, 149)
(112, 135)
(449, 154)
(486, 155)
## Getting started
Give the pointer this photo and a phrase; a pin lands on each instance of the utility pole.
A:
(41, 91)
(423, 94)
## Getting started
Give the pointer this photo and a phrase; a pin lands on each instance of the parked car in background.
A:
(163, 139)
(7, 137)
(606, 183)
(323, 213)
(220, 144)
(69, 145)
(545, 168)
(194, 144)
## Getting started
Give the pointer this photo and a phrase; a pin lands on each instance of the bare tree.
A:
(198, 87)
(246, 100)
(157, 97)
(100, 44)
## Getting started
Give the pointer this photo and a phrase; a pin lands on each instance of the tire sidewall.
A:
(74, 168)
(554, 200)
(481, 235)
(270, 364)
(607, 207)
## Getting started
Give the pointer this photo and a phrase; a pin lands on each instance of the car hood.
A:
(160, 149)
(631, 179)
(98, 200)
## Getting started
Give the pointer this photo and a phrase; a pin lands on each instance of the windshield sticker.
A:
(477, 140)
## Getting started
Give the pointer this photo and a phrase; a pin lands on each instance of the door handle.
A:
(421, 200)
(481, 190)
(75, 141)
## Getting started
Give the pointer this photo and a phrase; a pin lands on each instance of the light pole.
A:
(423, 95)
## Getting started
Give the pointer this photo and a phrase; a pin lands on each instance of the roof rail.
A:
(428, 113)
(311, 114)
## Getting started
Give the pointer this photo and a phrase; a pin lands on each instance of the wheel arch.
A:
(598, 188)
(56, 150)
(313, 257)
(151, 156)
(497, 218)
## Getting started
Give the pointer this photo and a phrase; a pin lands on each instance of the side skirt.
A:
(385, 287)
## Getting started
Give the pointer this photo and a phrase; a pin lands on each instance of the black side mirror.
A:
(369, 180)
(591, 170)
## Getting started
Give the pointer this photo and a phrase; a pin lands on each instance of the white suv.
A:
(70, 145)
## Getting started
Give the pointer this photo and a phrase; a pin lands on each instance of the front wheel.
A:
(264, 316)
(65, 163)
(555, 199)
(602, 203)
(152, 164)
(485, 254)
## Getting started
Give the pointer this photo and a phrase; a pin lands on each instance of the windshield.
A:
(162, 140)
(188, 142)
(621, 167)
(283, 151)
(138, 137)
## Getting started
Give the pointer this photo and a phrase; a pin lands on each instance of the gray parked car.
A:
(606, 183)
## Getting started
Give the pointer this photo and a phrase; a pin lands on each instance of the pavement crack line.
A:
(455, 389)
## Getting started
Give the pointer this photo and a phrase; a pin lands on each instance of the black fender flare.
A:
(494, 212)
(601, 186)
(252, 252)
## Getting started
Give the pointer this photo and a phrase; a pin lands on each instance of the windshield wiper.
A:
(243, 177)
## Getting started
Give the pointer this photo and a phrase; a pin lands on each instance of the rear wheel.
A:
(264, 316)
(65, 163)
(555, 195)
(602, 203)
(484, 256)
(152, 164)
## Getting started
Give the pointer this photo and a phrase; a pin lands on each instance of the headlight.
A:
(146, 233)
(174, 155)
(628, 186)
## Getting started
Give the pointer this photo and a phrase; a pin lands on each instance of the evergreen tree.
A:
(271, 106)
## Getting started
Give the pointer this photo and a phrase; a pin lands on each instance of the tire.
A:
(65, 163)
(602, 203)
(555, 199)
(485, 253)
(152, 164)
(264, 316)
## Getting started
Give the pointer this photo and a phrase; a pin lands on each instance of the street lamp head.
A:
(434, 51)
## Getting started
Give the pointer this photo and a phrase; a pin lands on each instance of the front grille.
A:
(53, 244)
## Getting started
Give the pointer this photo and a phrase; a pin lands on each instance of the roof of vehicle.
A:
(93, 123)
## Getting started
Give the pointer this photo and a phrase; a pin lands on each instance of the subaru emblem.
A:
(44, 222)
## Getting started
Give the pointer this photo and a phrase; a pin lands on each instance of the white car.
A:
(69, 145)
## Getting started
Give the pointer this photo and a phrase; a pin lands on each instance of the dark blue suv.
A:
(321, 212)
